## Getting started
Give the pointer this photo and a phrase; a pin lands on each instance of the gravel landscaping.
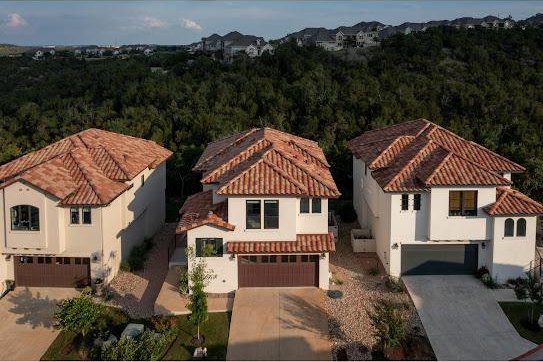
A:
(349, 325)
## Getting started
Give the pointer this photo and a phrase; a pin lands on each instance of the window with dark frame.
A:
(25, 217)
(462, 203)
(209, 247)
(87, 215)
(304, 205)
(521, 227)
(271, 214)
(416, 202)
(142, 180)
(509, 227)
(74, 215)
(315, 205)
(253, 214)
(405, 202)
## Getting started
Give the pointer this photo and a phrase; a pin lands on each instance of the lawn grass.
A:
(215, 331)
(67, 344)
(517, 313)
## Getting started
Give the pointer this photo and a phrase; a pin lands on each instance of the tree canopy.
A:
(485, 85)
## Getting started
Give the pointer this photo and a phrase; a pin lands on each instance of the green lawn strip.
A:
(517, 313)
(215, 331)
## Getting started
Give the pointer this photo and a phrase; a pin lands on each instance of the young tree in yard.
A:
(78, 314)
(199, 277)
(390, 328)
(532, 289)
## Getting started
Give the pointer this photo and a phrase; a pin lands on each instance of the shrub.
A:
(138, 256)
(481, 271)
(347, 213)
(79, 314)
(150, 346)
(374, 271)
(183, 281)
(390, 327)
(394, 284)
(489, 281)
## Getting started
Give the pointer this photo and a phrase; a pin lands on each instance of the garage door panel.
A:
(289, 273)
(34, 272)
(439, 260)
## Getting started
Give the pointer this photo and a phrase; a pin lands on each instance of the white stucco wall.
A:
(512, 256)
(445, 227)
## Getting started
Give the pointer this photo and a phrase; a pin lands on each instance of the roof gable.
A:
(87, 168)
(419, 154)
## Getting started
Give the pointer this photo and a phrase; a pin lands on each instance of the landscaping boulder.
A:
(133, 330)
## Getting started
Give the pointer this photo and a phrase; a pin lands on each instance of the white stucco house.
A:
(435, 203)
(71, 211)
(263, 211)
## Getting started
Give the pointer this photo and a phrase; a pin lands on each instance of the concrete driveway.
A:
(26, 321)
(463, 319)
(279, 324)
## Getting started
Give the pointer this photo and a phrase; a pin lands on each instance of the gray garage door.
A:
(439, 259)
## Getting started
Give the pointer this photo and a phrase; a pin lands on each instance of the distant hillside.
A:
(10, 49)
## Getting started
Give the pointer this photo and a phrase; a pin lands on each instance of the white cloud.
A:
(15, 21)
(153, 23)
(191, 25)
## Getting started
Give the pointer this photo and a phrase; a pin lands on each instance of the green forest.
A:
(485, 85)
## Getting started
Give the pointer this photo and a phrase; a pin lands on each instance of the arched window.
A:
(509, 227)
(521, 227)
(25, 217)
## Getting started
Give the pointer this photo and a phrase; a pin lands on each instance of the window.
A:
(509, 227)
(26, 260)
(462, 203)
(416, 202)
(405, 201)
(304, 205)
(142, 180)
(316, 206)
(521, 227)
(208, 247)
(271, 214)
(25, 217)
(253, 214)
(74, 215)
(268, 259)
(87, 218)
(365, 170)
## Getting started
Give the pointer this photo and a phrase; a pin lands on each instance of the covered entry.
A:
(45, 271)
(278, 270)
(439, 259)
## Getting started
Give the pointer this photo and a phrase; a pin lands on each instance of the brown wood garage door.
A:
(41, 271)
(278, 270)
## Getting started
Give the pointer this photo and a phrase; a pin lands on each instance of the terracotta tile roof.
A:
(199, 210)
(304, 243)
(512, 202)
(88, 168)
(267, 162)
(415, 155)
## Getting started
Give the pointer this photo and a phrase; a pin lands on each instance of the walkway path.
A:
(136, 292)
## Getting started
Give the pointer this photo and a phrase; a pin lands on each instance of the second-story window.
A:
(310, 205)
(25, 217)
(521, 227)
(271, 214)
(416, 202)
(74, 215)
(86, 212)
(509, 228)
(462, 203)
(405, 202)
(253, 214)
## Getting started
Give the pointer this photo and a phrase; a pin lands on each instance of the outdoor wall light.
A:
(323, 255)
(232, 256)
(483, 245)
(395, 246)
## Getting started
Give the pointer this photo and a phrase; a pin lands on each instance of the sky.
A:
(183, 22)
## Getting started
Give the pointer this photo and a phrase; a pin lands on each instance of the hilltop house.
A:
(435, 203)
(233, 44)
(71, 211)
(263, 214)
